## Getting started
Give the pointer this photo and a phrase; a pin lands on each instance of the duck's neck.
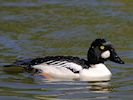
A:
(93, 57)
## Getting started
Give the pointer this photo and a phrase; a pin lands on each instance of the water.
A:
(34, 28)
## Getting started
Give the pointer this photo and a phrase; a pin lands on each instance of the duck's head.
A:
(101, 50)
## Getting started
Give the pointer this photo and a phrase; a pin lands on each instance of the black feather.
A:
(28, 63)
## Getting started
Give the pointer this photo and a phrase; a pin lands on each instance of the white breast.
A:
(98, 72)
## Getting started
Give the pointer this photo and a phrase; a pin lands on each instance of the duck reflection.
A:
(100, 87)
(76, 85)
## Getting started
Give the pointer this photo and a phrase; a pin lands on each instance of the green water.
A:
(35, 28)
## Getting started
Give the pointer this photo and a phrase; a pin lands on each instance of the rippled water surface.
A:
(36, 28)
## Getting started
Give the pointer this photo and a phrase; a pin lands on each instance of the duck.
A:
(75, 68)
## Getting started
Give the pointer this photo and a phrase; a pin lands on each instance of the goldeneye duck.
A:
(68, 67)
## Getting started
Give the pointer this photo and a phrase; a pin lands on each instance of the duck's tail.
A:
(18, 66)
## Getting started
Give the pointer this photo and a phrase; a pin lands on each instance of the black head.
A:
(100, 51)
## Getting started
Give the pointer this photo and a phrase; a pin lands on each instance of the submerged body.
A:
(74, 68)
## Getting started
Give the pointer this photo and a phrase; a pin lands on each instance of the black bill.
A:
(115, 58)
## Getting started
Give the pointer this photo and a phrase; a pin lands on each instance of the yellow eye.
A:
(102, 47)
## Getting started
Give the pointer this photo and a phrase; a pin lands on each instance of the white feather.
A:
(49, 61)
(57, 71)
(73, 66)
(98, 72)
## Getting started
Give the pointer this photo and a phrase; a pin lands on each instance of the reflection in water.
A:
(100, 87)
(75, 89)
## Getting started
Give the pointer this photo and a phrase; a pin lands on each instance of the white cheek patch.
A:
(105, 54)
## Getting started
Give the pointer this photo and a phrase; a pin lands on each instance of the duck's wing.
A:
(71, 66)
(74, 64)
